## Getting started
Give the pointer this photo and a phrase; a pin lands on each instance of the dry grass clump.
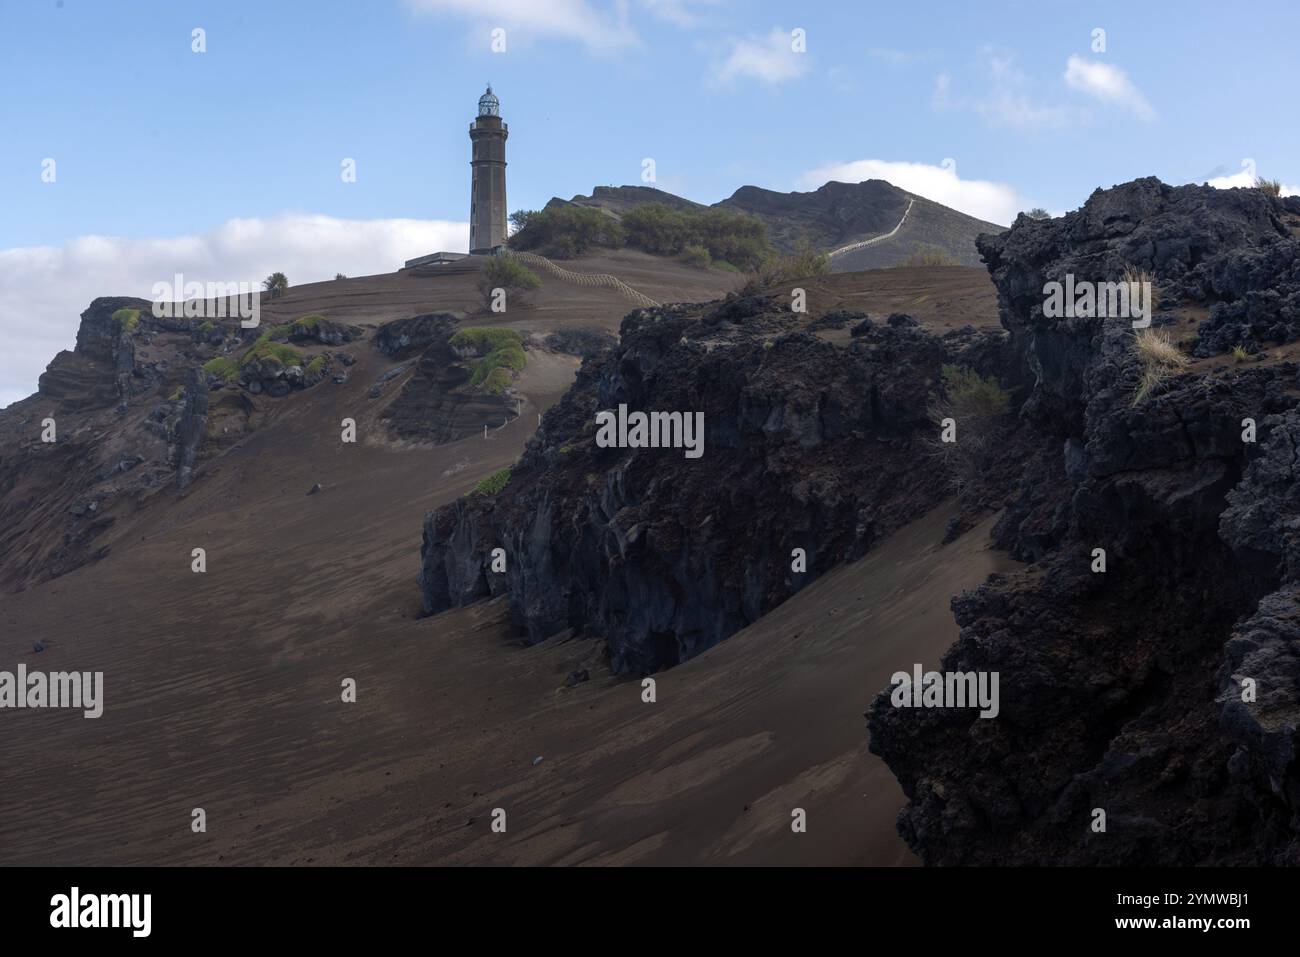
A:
(1160, 359)
(1269, 187)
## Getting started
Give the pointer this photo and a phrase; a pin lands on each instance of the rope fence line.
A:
(583, 278)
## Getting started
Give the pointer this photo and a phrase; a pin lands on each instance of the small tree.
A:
(519, 219)
(339, 275)
(505, 272)
(275, 284)
(1038, 213)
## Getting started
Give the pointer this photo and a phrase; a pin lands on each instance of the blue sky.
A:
(159, 149)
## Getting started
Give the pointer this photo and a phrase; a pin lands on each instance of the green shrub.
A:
(565, 231)
(976, 406)
(659, 230)
(507, 359)
(493, 484)
(316, 366)
(503, 272)
(803, 262)
(1239, 353)
(737, 238)
(484, 339)
(223, 367)
(696, 256)
(502, 352)
(177, 393)
(927, 256)
(306, 323)
(498, 380)
(128, 319)
(266, 348)
(969, 395)
(207, 326)
(276, 333)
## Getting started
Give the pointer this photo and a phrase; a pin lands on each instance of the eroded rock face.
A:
(807, 445)
(408, 337)
(190, 429)
(1122, 691)
(437, 403)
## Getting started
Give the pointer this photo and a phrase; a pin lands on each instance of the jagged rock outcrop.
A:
(1121, 691)
(580, 342)
(133, 412)
(323, 331)
(190, 429)
(407, 337)
(807, 445)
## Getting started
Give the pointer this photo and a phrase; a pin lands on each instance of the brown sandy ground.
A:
(223, 690)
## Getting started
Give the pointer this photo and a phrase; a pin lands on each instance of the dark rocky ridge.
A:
(665, 556)
(833, 215)
(134, 414)
(1121, 690)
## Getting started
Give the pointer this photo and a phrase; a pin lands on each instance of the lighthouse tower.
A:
(487, 196)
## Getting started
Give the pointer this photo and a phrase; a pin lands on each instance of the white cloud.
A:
(677, 12)
(769, 60)
(600, 29)
(1006, 102)
(44, 289)
(994, 202)
(1246, 179)
(1107, 83)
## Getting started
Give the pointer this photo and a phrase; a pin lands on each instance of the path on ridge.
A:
(863, 244)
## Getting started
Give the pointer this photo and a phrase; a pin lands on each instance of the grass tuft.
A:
(1269, 187)
(1160, 359)
(306, 323)
(503, 354)
(266, 348)
(223, 367)
(128, 319)
(493, 484)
